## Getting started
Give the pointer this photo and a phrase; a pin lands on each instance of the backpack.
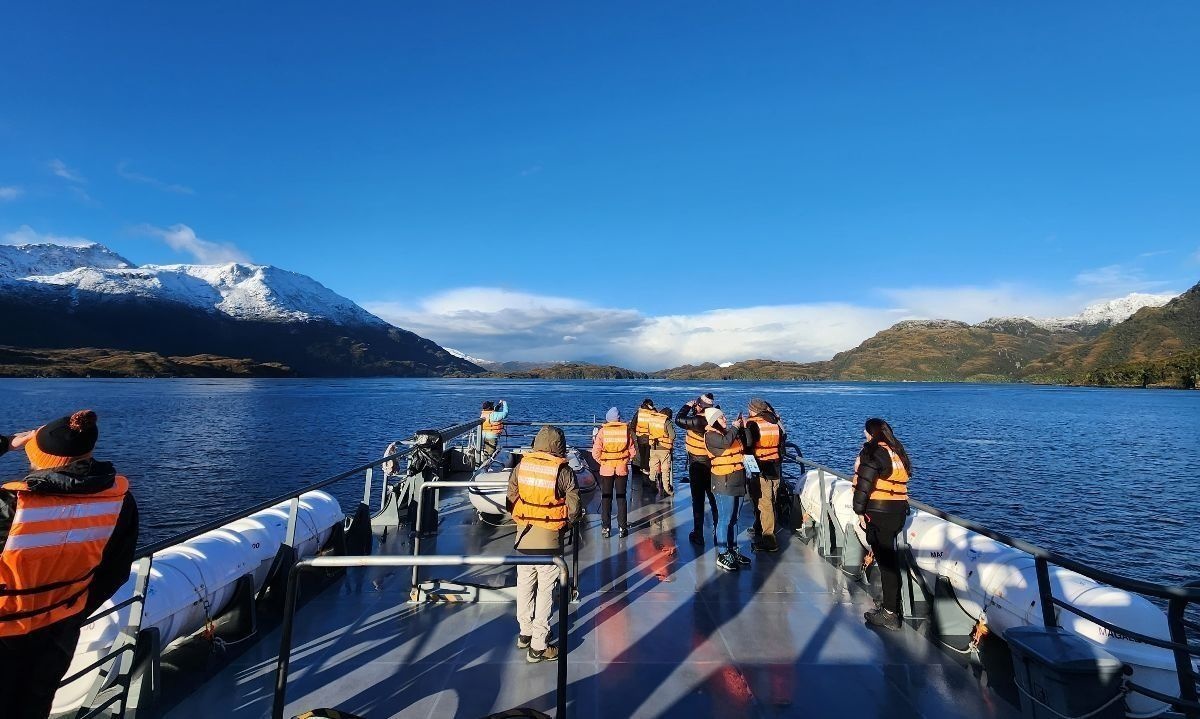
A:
(785, 501)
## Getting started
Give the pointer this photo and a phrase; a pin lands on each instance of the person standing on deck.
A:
(544, 500)
(645, 416)
(881, 476)
(493, 416)
(613, 447)
(662, 443)
(691, 420)
(764, 439)
(68, 532)
(725, 446)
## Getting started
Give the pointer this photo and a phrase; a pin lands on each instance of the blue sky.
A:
(581, 164)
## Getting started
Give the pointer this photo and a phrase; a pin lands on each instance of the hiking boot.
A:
(523, 641)
(883, 618)
(606, 532)
(741, 558)
(549, 654)
(623, 532)
(727, 561)
(765, 543)
(696, 538)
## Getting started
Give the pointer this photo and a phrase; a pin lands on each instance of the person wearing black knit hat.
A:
(68, 533)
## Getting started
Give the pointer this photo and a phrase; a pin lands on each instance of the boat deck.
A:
(659, 631)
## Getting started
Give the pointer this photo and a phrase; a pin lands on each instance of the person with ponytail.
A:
(68, 533)
(881, 500)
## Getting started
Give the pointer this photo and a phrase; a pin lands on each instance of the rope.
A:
(1118, 696)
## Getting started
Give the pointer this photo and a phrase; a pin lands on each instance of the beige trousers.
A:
(660, 463)
(535, 601)
(762, 491)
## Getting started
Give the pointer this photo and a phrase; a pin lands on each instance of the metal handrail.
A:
(420, 499)
(1179, 595)
(285, 641)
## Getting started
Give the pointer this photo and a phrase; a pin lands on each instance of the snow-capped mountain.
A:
(1095, 316)
(58, 297)
(241, 291)
(469, 358)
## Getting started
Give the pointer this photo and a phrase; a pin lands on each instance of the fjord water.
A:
(1107, 475)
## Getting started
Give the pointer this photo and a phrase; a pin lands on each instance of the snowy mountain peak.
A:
(241, 291)
(21, 261)
(469, 358)
(1100, 314)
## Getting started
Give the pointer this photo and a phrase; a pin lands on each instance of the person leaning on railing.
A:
(544, 501)
(68, 531)
(881, 500)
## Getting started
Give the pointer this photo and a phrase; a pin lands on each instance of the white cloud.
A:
(506, 326)
(975, 304)
(1119, 279)
(128, 174)
(59, 168)
(26, 235)
(182, 238)
(8, 193)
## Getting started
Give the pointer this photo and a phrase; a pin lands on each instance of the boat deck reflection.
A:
(659, 631)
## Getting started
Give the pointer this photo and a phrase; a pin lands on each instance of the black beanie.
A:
(71, 436)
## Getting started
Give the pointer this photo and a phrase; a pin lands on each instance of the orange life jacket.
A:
(52, 552)
(695, 444)
(538, 502)
(614, 441)
(769, 436)
(645, 419)
(896, 485)
(658, 431)
(730, 461)
(489, 427)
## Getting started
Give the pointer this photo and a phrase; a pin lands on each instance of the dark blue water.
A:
(1107, 475)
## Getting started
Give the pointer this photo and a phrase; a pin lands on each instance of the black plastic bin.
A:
(1066, 675)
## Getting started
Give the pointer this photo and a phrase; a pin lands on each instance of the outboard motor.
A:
(426, 463)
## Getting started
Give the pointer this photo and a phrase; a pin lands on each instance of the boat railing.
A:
(1178, 597)
(130, 643)
(285, 642)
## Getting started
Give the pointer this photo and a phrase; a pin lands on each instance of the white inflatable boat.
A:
(493, 500)
(997, 585)
(195, 580)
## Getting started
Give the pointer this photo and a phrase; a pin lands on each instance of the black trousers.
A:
(32, 665)
(607, 485)
(882, 529)
(700, 483)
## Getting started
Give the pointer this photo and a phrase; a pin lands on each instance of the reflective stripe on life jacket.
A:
(614, 441)
(52, 552)
(895, 487)
(730, 460)
(646, 418)
(538, 502)
(490, 428)
(769, 435)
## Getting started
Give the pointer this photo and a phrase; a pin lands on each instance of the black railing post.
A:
(1045, 593)
(564, 606)
(1183, 660)
(285, 657)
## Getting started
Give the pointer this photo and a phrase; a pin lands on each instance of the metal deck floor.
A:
(659, 631)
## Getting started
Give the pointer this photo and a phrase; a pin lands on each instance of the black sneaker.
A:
(696, 538)
(623, 532)
(741, 558)
(883, 618)
(769, 543)
(550, 653)
(727, 561)
(523, 641)
(606, 532)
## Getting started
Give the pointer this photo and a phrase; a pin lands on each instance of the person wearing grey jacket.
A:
(544, 500)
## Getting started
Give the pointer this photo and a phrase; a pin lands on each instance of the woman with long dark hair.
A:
(881, 476)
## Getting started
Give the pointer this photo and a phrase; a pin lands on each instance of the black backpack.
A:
(785, 499)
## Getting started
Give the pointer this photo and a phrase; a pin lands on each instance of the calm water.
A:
(1106, 474)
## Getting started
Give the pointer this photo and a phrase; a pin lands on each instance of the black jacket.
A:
(772, 469)
(874, 463)
(690, 420)
(87, 476)
(733, 484)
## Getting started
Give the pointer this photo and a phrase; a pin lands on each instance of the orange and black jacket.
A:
(693, 422)
(874, 463)
(770, 468)
(86, 476)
